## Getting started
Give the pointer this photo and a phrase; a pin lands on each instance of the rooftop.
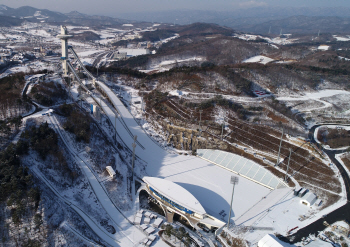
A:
(175, 193)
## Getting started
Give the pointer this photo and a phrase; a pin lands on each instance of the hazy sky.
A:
(113, 7)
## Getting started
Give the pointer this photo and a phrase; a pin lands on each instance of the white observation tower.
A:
(64, 36)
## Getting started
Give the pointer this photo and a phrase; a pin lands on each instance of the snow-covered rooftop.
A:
(175, 193)
(134, 52)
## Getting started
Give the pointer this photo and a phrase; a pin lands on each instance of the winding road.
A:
(342, 213)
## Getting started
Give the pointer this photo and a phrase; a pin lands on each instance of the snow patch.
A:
(259, 59)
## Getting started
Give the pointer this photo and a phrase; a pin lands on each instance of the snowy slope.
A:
(210, 184)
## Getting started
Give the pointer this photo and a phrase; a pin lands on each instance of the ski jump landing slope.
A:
(209, 183)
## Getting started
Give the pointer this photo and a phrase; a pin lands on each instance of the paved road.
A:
(338, 214)
(98, 59)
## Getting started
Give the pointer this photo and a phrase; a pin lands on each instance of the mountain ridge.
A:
(255, 20)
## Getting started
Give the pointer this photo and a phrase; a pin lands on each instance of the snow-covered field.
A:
(276, 40)
(323, 47)
(259, 59)
(168, 64)
(321, 96)
(341, 38)
(26, 68)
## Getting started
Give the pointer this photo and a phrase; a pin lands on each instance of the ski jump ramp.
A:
(209, 183)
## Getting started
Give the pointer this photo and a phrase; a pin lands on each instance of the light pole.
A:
(132, 171)
(200, 119)
(115, 126)
(133, 157)
(290, 153)
(222, 129)
(142, 110)
(279, 149)
(234, 180)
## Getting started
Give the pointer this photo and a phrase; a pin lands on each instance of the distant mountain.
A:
(249, 20)
(9, 15)
(255, 20)
(301, 24)
(76, 14)
(94, 20)
(27, 12)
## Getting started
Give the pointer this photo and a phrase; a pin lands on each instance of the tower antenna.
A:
(64, 36)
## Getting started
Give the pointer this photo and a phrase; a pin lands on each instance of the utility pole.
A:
(290, 153)
(279, 149)
(234, 180)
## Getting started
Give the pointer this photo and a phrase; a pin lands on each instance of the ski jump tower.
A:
(64, 36)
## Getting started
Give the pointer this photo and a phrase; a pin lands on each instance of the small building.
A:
(318, 202)
(149, 230)
(157, 223)
(137, 221)
(119, 55)
(297, 190)
(152, 237)
(144, 227)
(147, 220)
(144, 242)
(150, 240)
(302, 192)
(110, 171)
(130, 52)
(309, 200)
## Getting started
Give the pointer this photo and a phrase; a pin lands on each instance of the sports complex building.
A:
(174, 199)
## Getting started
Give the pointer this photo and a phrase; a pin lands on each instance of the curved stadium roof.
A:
(175, 193)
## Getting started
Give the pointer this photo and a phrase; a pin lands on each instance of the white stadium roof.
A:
(270, 240)
(242, 166)
(176, 193)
